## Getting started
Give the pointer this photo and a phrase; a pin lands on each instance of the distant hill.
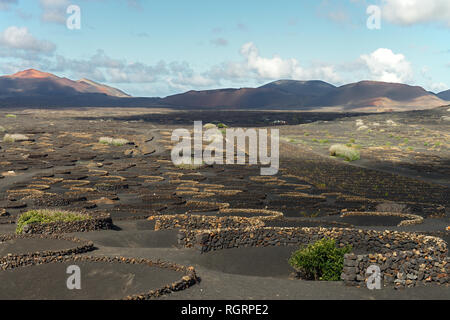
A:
(110, 91)
(233, 98)
(33, 88)
(444, 95)
(313, 88)
(380, 95)
(277, 94)
(36, 83)
(364, 96)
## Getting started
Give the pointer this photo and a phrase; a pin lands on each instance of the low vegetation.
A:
(346, 152)
(48, 216)
(113, 142)
(209, 126)
(11, 116)
(322, 260)
(15, 138)
(190, 166)
(363, 127)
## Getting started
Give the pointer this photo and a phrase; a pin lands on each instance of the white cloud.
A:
(220, 42)
(409, 12)
(6, 4)
(101, 67)
(256, 67)
(19, 38)
(54, 10)
(269, 68)
(385, 65)
(438, 87)
(135, 4)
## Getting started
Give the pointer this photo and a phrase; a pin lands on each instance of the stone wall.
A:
(399, 268)
(96, 223)
(16, 260)
(188, 274)
(190, 224)
(410, 219)
(202, 222)
(404, 258)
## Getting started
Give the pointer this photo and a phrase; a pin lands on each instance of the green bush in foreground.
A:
(343, 151)
(320, 261)
(48, 216)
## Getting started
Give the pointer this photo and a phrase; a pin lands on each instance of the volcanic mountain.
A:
(33, 88)
(36, 83)
(382, 96)
(110, 91)
(278, 94)
(291, 94)
(444, 95)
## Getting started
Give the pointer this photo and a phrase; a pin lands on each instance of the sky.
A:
(158, 48)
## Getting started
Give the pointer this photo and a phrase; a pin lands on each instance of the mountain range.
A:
(33, 88)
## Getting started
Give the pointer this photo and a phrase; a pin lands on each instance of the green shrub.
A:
(343, 151)
(48, 216)
(11, 116)
(320, 261)
(113, 142)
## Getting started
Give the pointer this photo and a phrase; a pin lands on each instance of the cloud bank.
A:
(409, 12)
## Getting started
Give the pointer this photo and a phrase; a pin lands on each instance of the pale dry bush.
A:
(112, 141)
(343, 151)
(363, 127)
(15, 137)
(391, 123)
(210, 126)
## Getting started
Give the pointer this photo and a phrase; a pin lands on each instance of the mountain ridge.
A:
(444, 95)
(36, 88)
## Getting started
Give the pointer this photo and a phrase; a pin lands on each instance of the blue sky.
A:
(156, 48)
